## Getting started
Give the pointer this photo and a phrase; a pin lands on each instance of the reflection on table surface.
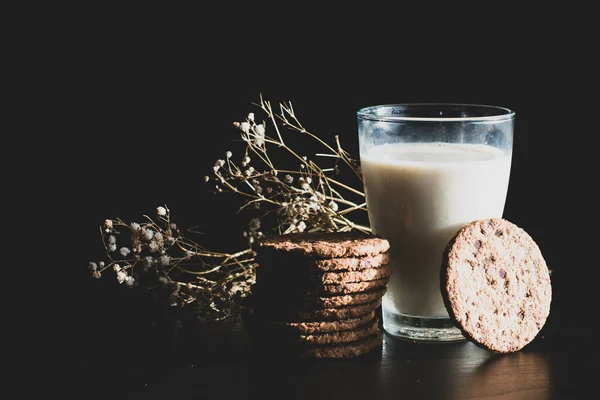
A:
(557, 364)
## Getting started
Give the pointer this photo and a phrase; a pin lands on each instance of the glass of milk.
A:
(428, 169)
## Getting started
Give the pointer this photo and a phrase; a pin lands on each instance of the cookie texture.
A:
(326, 244)
(275, 334)
(496, 284)
(292, 299)
(316, 294)
(346, 350)
(343, 336)
(316, 327)
(367, 274)
(284, 313)
(351, 287)
(310, 281)
(295, 262)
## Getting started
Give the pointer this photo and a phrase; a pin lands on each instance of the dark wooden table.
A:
(117, 358)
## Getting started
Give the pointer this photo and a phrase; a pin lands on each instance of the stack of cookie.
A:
(316, 294)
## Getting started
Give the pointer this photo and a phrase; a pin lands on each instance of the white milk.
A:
(418, 196)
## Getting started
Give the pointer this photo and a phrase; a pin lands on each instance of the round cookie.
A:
(292, 299)
(315, 327)
(286, 314)
(496, 284)
(319, 289)
(367, 274)
(315, 280)
(325, 244)
(345, 299)
(352, 287)
(345, 350)
(346, 336)
(296, 262)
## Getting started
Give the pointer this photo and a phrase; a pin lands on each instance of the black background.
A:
(139, 104)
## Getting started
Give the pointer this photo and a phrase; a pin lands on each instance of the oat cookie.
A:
(345, 350)
(325, 244)
(285, 314)
(496, 284)
(316, 280)
(316, 301)
(352, 287)
(315, 327)
(344, 336)
(319, 289)
(295, 262)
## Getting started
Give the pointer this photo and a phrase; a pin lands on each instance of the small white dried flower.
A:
(245, 127)
(135, 226)
(112, 247)
(108, 223)
(96, 274)
(153, 246)
(249, 171)
(288, 179)
(308, 179)
(246, 160)
(228, 154)
(251, 116)
(117, 267)
(333, 205)
(301, 226)
(164, 260)
(112, 239)
(216, 168)
(161, 211)
(158, 237)
(124, 251)
(93, 266)
(101, 264)
(259, 130)
(220, 163)
(304, 185)
(121, 276)
(206, 179)
(148, 233)
(129, 281)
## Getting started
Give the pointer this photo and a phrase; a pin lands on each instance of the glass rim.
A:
(503, 113)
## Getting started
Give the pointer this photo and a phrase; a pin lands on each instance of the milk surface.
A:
(418, 196)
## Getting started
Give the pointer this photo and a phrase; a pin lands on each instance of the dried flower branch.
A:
(308, 199)
(155, 254)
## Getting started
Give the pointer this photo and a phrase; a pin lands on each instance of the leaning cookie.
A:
(496, 284)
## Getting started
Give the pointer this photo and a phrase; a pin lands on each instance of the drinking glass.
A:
(428, 169)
